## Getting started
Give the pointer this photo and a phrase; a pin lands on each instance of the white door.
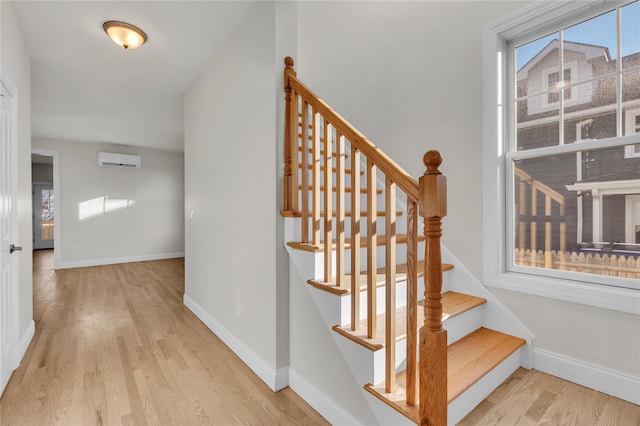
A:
(43, 216)
(8, 255)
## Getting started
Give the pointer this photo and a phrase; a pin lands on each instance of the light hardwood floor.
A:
(114, 345)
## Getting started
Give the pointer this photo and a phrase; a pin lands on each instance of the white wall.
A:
(15, 67)
(152, 228)
(233, 245)
(567, 328)
(409, 76)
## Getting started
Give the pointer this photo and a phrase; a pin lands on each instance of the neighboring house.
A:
(591, 199)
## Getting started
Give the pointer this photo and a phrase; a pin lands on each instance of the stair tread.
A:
(400, 239)
(453, 304)
(363, 214)
(401, 275)
(469, 359)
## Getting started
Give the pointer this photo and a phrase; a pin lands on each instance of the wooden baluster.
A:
(304, 138)
(372, 243)
(355, 238)
(390, 288)
(522, 210)
(433, 337)
(328, 206)
(412, 301)
(315, 212)
(340, 208)
(290, 140)
(534, 225)
(548, 259)
(563, 229)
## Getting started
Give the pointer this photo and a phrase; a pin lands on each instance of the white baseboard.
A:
(594, 377)
(25, 340)
(319, 401)
(275, 379)
(116, 260)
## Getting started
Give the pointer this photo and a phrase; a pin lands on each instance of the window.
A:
(554, 83)
(561, 192)
(632, 127)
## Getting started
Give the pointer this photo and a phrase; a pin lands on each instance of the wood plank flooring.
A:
(529, 397)
(115, 345)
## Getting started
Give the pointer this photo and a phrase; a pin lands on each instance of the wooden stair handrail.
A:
(385, 164)
(426, 378)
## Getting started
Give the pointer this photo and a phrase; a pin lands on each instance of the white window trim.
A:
(629, 129)
(526, 21)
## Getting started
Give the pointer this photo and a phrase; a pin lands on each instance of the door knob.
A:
(14, 247)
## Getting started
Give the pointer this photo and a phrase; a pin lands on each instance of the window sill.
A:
(598, 295)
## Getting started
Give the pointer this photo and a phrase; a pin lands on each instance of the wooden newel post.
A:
(290, 138)
(433, 337)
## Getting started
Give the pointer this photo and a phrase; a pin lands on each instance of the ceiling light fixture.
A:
(126, 35)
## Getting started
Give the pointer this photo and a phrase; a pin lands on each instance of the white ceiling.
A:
(86, 88)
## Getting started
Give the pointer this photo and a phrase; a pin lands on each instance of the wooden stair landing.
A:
(453, 304)
(400, 239)
(469, 359)
(381, 279)
(347, 189)
(363, 213)
(333, 169)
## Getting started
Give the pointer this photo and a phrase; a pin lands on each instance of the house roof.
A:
(589, 50)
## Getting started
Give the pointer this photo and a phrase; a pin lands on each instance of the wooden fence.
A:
(611, 265)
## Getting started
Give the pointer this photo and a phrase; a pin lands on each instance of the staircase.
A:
(366, 345)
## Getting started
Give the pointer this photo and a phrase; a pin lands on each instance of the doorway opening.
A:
(46, 201)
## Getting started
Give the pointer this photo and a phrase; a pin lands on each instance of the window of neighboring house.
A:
(554, 83)
(633, 218)
(632, 126)
(563, 182)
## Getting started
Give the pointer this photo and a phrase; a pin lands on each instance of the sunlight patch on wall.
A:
(100, 206)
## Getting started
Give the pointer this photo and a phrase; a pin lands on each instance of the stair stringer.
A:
(318, 371)
(495, 315)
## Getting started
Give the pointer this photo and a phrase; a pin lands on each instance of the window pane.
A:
(528, 58)
(571, 206)
(47, 206)
(537, 122)
(590, 111)
(630, 35)
(590, 46)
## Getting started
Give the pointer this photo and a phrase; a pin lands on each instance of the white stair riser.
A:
(457, 327)
(401, 300)
(401, 257)
(463, 324)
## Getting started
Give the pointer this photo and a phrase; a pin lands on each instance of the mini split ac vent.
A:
(125, 161)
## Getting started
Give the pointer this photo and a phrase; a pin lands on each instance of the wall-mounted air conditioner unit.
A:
(108, 159)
